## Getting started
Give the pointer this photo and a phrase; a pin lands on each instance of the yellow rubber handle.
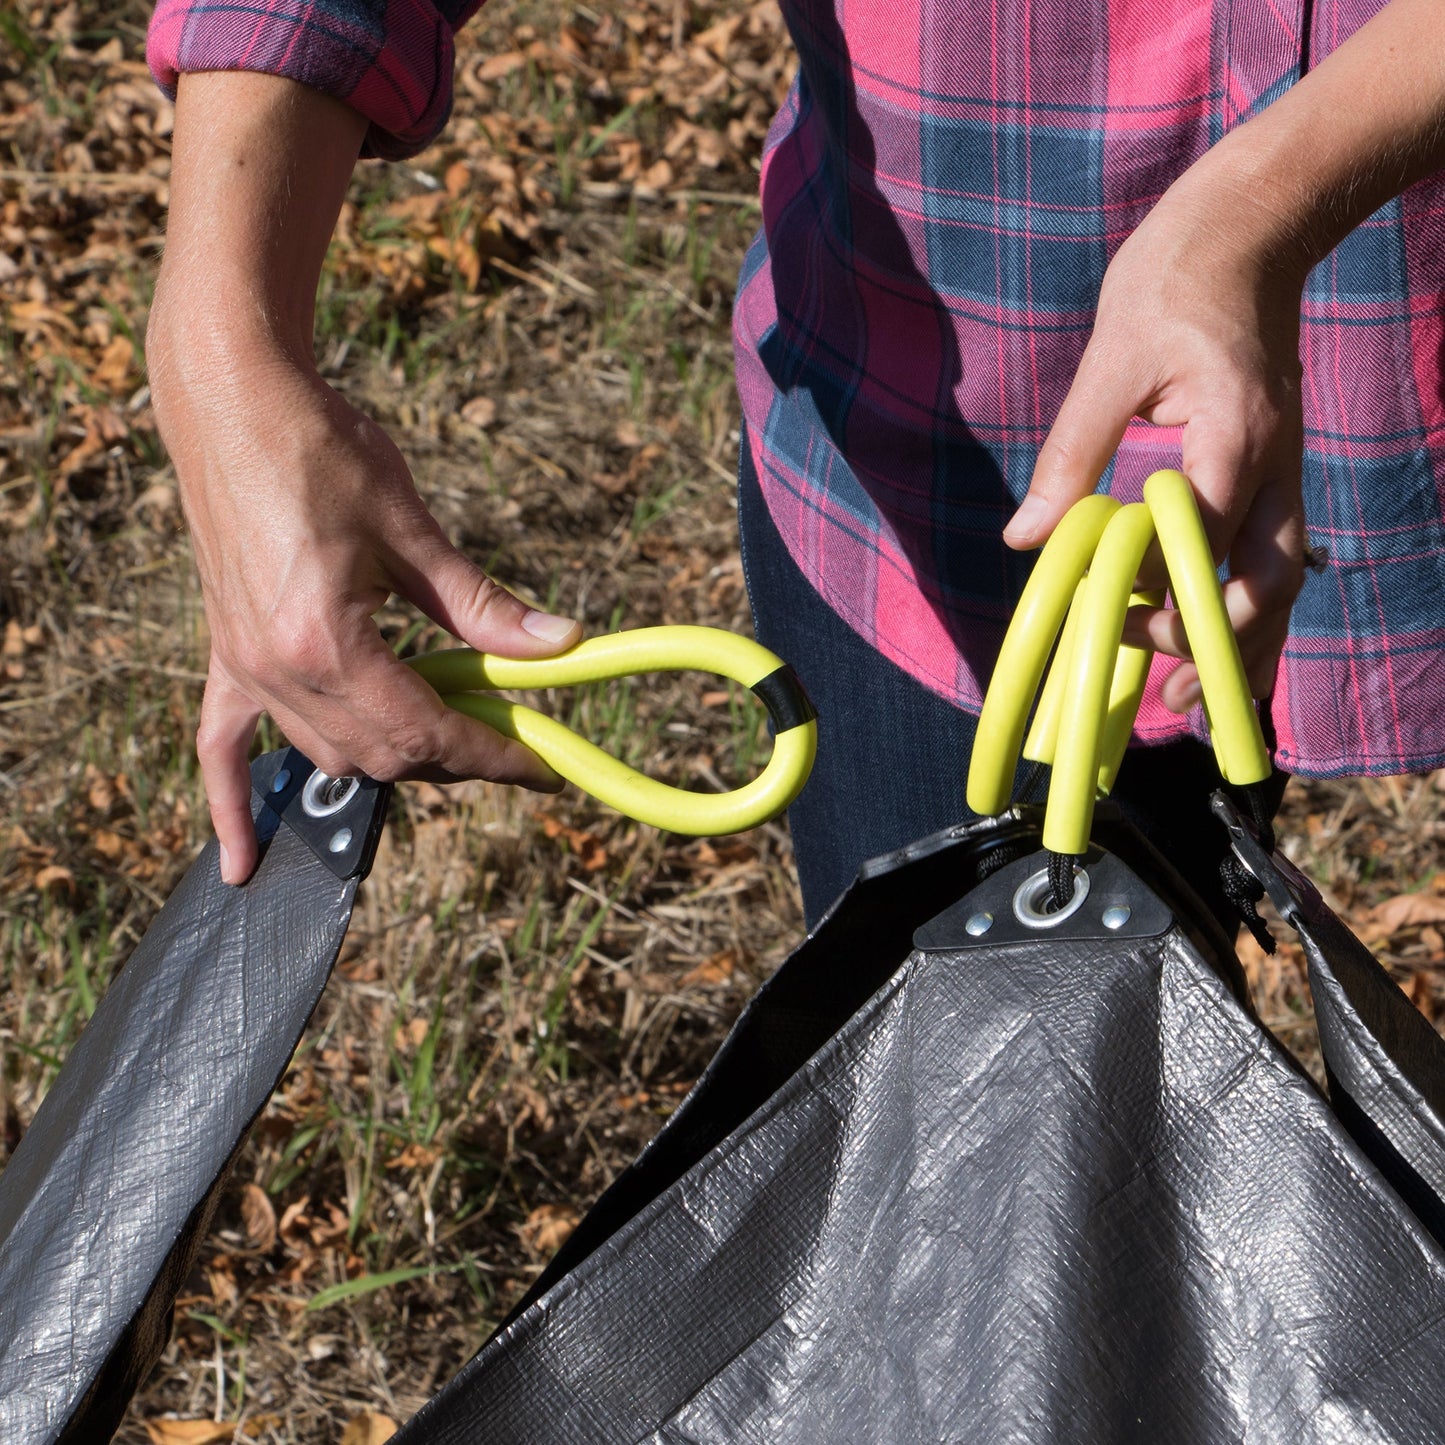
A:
(1095, 683)
(1131, 673)
(1026, 645)
(1092, 663)
(1233, 722)
(457, 674)
(1043, 738)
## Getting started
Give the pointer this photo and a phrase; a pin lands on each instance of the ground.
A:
(537, 308)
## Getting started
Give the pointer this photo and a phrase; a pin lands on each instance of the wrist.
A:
(210, 314)
(1261, 230)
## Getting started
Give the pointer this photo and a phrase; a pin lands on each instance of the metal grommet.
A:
(324, 795)
(1033, 900)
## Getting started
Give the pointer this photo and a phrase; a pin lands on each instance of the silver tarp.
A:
(1010, 1184)
(963, 1171)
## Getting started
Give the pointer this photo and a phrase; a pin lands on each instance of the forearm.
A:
(259, 171)
(303, 514)
(1354, 133)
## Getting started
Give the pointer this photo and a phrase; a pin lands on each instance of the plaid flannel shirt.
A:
(941, 195)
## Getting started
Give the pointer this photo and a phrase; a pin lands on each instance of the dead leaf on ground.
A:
(293, 1219)
(414, 1156)
(55, 879)
(711, 972)
(258, 1218)
(548, 1227)
(189, 1432)
(587, 847)
(1409, 910)
(408, 1037)
(479, 411)
(114, 371)
(368, 1428)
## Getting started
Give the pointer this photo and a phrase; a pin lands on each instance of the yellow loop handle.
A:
(1233, 722)
(1095, 682)
(1025, 653)
(457, 674)
(1043, 738)
(1131, 673)
(1092, 665)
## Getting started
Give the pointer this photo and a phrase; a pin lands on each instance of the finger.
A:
(1267, 571)
(1161, 629)
(1180, 690)
(1079, 446)
(389, 724)
(1262, 630)
(461, 597)
(1227, 463)
(223, 740)
(427, 735)
(1259, 631)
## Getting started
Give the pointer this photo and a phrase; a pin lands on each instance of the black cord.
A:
(1260, 801)
(1061, 878)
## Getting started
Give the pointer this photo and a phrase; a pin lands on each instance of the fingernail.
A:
(226, 874)
(1189, 694)
(1025, 522)
(547, 627)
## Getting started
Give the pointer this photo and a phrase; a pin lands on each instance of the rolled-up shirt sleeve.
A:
(389, 59)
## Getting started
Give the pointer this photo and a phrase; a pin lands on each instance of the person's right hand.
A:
(304, 519)
(303, 515)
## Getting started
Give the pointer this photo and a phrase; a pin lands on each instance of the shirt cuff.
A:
(389, 59)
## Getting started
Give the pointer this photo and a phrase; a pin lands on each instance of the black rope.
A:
(1260, 801)
(1000, 857)
(1061, 878)
(1034, 788)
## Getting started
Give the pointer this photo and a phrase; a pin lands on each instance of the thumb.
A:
(1083, 438)
(461, 597)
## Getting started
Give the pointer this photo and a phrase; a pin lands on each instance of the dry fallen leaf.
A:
(258, 1218)
(293, 1219)
(189, 1432)
(409, 1037)
(1409, 910)
(547, 1227)
(496, 66)
(114, 371)
(479, 411)
(99, 791)
(54, 879)
(368, 1428)
(414, 1156)
(711, 972)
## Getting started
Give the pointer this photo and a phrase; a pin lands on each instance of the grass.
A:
(529, 984)
(513, 982)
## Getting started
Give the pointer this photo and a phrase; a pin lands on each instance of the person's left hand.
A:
(1197, 327)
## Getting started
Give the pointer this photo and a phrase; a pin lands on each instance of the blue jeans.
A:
(893, 757)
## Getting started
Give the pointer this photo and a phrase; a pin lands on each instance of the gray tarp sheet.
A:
(1063, 1188)
(941, 1183)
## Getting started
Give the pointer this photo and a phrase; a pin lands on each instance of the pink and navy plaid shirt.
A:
(941, 194)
